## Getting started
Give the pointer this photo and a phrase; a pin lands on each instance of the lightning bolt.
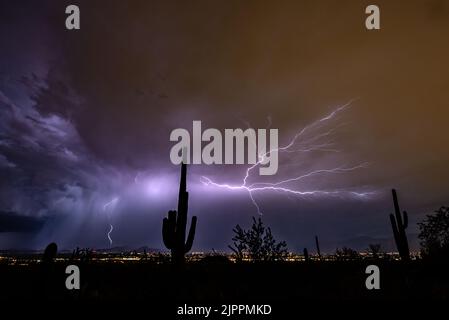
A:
(300, 143)
(107, 205)
(109, 234)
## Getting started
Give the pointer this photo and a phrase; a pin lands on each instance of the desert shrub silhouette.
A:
(434, 234)
(257, 243)
(50, 253)
(81, 255)
(346, 253)
(374, 250)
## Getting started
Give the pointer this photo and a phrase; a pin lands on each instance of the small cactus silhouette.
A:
(306, 254)
(317, 243)
(174, 226)
(399, 224)
(50, 253)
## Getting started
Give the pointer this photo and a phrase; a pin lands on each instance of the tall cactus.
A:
(174, 227)
(399, 224)
(317, 243)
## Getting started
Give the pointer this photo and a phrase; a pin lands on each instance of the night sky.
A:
(86, 117)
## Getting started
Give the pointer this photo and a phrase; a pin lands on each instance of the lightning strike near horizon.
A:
(106, 206)
(109, 234)
(300, 143)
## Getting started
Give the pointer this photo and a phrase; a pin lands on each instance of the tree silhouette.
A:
(374, 250)
(434, 234)
(346, 253)
(257, 243)
(240, 243)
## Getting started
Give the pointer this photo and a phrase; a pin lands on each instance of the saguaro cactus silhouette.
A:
(174, 226)
(317, 243)
(399, 224)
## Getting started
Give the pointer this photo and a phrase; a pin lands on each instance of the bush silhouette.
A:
(50, 253)
(257, 243)
(374, 250)
(434, 234)
(346, 253)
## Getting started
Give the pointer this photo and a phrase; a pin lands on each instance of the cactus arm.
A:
(191, 235)
(168, 230)
(166, 234)
(405, 223)
(172, 221)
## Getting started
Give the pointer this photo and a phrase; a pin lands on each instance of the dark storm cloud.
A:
(86, 115)
(12, 222)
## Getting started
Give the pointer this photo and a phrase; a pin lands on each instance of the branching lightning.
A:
(300, 143)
